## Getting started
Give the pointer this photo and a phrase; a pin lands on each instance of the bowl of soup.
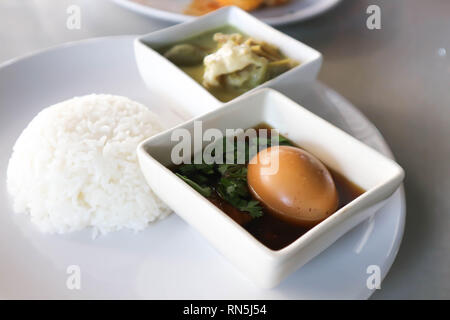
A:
(269, 184)
(201, 64)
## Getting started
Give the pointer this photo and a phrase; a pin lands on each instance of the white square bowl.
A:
(372, 171)
(164, 77)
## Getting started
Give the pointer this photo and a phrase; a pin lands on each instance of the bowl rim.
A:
(226, 13)
(318, 230)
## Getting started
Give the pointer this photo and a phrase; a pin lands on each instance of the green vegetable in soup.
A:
(275, 68)
(185, 54)
(225, 82)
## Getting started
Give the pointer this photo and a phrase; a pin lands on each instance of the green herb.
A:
(235, 191)
(204, 191)
(204, 168)
(283, 141)
(253, 207)
(228, 180)
(232, 187)
(237, 171)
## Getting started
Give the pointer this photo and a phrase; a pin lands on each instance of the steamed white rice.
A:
(75, 166)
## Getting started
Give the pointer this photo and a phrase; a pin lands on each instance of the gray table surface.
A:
(398, 76)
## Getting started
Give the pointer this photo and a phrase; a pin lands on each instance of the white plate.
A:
(169, 259)
(295, 11)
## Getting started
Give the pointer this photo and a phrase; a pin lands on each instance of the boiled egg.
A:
(293, 185)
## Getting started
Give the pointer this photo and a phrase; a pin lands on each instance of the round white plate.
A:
(295, 11)
(169, 259)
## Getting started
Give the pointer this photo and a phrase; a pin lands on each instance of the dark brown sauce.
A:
(273, 232)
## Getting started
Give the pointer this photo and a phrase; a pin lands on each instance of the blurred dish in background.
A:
(200, 7)
(273, 12)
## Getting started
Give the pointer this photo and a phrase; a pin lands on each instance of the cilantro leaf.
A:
(254, 208)
(204, 191)
(229, 181)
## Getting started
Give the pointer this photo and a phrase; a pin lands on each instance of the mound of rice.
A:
(75, 166)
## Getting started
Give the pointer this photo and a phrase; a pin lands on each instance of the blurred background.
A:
(398, 76)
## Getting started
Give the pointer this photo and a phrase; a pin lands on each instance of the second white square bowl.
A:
(164, 77)
(375, 173)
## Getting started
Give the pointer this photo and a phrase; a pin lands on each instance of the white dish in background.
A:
(161, 75)
(170, 259)
(375, 173)
(173, 10)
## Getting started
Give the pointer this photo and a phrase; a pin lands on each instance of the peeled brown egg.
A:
(300, 190)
